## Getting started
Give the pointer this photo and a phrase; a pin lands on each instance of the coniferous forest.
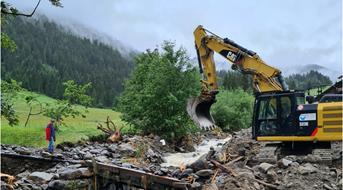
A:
(47, 55)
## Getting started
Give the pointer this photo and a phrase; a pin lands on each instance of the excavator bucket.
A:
(199, 110)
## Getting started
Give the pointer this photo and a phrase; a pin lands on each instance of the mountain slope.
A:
(47, 55)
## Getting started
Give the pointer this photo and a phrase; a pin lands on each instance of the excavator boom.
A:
(265, 78)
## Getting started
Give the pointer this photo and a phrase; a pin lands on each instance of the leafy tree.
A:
(67, 107)
(233, 109)
(154, 99)
(7, 42)
(9, 91)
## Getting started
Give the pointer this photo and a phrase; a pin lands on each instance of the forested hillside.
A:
(47, 55)
(231, 80)
(308, 80)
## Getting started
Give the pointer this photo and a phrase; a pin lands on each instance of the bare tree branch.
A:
(4, 11)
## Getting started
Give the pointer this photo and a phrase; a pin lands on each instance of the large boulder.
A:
(22, 150)
(75, 173)
(307, 169)
(70, 174)
(199, 164)
(285, 162)
(266, 166)
(40, 177)
(126, 149)
(112, 148)
(102, 159)
(204, 173)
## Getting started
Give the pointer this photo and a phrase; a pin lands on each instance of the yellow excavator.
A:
(279, 114)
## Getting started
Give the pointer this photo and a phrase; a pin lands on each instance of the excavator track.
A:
(272, 152)
(268, 153)
(324, 155)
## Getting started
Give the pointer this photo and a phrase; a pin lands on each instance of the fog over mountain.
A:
(286, 34)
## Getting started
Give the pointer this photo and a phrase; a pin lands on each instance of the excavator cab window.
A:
(267, 119)
(274, 115)
(285, 113)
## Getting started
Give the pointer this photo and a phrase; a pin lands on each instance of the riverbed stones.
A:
(102, 159)
(41, 177)
(70, 173)
(265, 166)
(126, 149)
(307, 169)
(88, 156)
(199, 164)
(85, 173)
(5, 186)
(220, 156)
(23, 174)
(285, 162)
(95, 151)
(112, 148)
(22, 150)
(68, 184)
(204, 173)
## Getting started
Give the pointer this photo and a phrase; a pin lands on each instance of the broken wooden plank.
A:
(136, 178)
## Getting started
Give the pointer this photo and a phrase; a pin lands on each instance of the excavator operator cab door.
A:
(273, 115)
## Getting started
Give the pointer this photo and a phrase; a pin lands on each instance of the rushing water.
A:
(176, 159)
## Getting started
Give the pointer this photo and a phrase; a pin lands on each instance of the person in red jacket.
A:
(50, 135)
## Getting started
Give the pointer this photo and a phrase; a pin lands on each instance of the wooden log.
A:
(234, 160)
(224, 168)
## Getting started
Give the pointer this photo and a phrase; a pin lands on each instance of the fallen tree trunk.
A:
(113, 131)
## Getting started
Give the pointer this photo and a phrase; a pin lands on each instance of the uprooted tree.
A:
(112, 130)
(155, 97)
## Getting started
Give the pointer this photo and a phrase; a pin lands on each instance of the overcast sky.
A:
(285, 33)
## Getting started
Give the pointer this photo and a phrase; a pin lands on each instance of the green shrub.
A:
(233, 109)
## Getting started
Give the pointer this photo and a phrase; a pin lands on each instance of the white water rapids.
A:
(177, 159)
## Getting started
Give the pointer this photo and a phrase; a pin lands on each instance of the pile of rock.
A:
(145, 151)
(61, 176)
(235, 166)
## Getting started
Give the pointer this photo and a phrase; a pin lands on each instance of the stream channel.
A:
(177, 159)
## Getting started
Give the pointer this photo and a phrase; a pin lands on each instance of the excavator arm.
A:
(265, 78)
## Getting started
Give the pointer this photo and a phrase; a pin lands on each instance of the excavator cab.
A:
(274, 114)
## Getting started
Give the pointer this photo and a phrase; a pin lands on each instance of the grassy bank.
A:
(34, 134)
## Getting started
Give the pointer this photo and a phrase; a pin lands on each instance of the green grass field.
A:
(34, 134)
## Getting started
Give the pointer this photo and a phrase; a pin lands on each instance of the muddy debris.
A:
(236, 166)
(233, 166)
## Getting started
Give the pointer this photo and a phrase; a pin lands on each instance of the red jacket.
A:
(48, 132)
